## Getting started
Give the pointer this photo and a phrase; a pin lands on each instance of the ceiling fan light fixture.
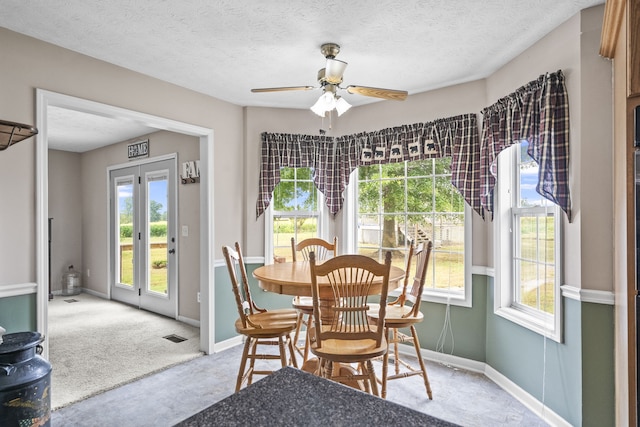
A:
(326, 102)
(342, 106)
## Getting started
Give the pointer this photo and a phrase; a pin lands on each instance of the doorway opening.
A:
(46, 99)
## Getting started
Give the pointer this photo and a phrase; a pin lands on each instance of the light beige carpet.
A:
(96, 345)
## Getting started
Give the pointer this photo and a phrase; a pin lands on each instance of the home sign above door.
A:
(138, 149)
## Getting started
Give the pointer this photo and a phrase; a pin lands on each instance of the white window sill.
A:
(532, 323)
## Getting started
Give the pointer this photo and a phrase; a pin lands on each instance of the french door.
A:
(143, 237)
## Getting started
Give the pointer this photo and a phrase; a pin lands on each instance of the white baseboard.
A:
(533, 404)
(189, 321)
(95, 293)
(227, 344)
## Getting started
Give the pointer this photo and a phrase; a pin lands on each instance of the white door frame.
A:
(44, 99)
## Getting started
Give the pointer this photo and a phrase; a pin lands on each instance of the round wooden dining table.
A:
(294, 278)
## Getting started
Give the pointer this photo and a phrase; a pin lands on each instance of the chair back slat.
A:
(322, 249)
(422, 256)
(351, 278)
(240, 282)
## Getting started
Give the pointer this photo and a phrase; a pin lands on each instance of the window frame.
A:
(349, 226)
(504, 242)
(269, 214)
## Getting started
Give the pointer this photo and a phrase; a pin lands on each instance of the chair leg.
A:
(292, 351)
(385, 367)
(372, 377)
(243, 364)
(396, 353)
(296, 336)
(283, 352)
(252, 356)
(307, 341)
(425, 377)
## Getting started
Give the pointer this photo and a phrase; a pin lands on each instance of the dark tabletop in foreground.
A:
(291, 397)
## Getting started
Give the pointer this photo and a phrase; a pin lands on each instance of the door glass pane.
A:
(124, 232)
(157, 255)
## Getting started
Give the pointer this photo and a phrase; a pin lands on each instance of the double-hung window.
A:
(295, 212)
(526, 246)
(415, 200)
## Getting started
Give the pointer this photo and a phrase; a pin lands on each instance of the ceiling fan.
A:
(329, 80)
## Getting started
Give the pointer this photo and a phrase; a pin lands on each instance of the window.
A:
(294, 212)
(399, 202)
(527, 246)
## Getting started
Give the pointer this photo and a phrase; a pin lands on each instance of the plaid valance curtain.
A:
(334, 159)
(538, 113)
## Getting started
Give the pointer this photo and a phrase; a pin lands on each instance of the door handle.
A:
(172, 251)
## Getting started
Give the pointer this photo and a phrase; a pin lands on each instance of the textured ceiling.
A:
(224, 48)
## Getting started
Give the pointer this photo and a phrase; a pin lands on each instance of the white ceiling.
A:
(224, 48)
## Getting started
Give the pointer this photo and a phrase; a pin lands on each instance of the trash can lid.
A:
(19, 341)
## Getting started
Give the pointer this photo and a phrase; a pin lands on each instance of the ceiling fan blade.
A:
(281, 89)
(394, 95)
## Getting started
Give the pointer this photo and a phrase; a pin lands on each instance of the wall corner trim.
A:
(588, 295)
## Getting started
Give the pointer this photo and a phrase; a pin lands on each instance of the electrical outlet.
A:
(198, 296)
(185, 231)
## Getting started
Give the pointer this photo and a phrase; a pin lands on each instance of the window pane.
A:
(443, 166)
(369, 172)
(124, 239)
(448, 199)
(448, 250)
(528, 283)
(528, 172)
(420, 194)
(369, 197)
(394, 170)
(535, 262)
(158, 197)
(393, 200)
(295, 210)
(410, 202)
(421, 168)
(304, 174)
(284, 196)
(306, 199)
(287, 174)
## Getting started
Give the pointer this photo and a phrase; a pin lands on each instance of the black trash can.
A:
(25, 381)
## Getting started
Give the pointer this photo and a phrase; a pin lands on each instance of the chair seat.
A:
(393, 317)
(273, 323)
(304, 304)
(348, 351)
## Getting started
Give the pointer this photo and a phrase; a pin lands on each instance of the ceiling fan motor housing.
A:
(330, 50)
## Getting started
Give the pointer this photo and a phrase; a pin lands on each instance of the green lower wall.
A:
(18, 314)
(464, 336)
(577, 374)
(598, 382)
